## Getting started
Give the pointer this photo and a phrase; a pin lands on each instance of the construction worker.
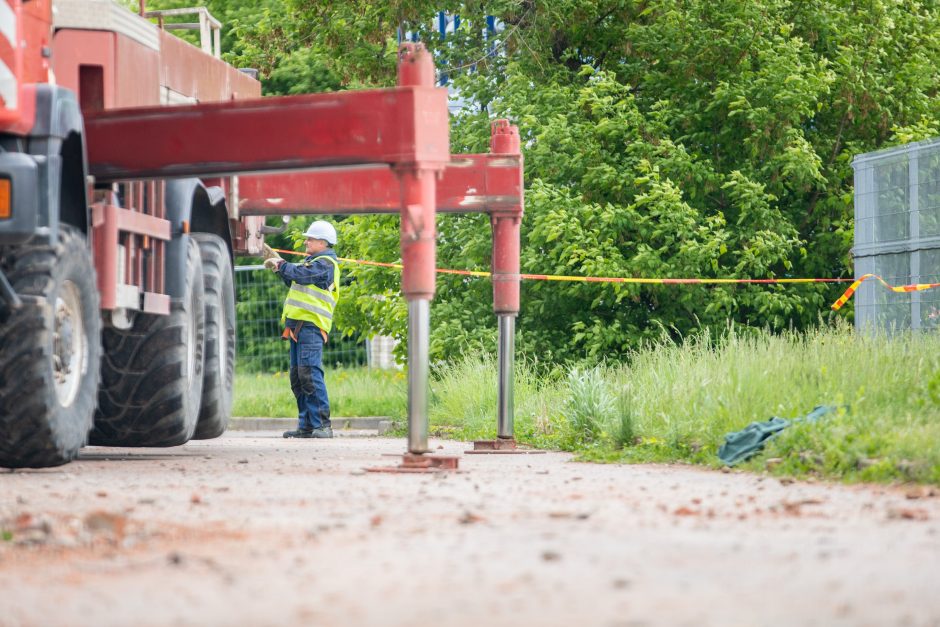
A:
(307, 319)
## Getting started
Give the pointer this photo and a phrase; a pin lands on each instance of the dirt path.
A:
(252, 529)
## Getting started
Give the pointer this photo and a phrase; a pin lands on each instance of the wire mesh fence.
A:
(259, 297)
(897, 235)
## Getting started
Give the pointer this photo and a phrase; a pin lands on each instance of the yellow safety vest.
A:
(312, 304)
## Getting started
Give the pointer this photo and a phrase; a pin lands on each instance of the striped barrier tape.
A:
(917, 287)
(590, 279)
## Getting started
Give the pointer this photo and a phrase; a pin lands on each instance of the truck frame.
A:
(134, 166)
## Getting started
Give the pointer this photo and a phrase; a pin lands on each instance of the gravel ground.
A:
(251, 529)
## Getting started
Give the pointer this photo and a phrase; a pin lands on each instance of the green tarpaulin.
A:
(741, 445)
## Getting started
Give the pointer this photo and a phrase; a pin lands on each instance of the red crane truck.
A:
(118, 307)
(120, 216)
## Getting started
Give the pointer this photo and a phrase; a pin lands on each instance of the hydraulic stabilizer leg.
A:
(418, 184)
(505, 220)
(418, 250)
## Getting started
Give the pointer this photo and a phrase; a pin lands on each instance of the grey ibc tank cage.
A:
(897, 235)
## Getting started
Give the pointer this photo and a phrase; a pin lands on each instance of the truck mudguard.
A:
(191, 206)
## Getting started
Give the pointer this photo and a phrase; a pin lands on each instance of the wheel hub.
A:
(69, 346)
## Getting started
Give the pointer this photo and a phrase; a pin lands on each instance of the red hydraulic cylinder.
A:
(418, 191)
(505, 220)
(418, 246)
(506, 263)
(504, 141)
(504, 138)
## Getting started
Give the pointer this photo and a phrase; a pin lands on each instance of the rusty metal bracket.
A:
(421, 463)
(500, 446)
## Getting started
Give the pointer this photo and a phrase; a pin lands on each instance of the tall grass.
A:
(353, 392)
(688, 396)
(463, 401)
(676, 401)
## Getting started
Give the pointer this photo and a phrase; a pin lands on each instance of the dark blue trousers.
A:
(306, 378)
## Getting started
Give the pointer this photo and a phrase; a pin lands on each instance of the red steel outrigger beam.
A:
(481, 183)
(365, 144)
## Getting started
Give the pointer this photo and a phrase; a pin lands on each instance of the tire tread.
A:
(142, 399)
(35, 432)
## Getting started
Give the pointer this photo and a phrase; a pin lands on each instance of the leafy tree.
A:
(680, 139)
(663, 138)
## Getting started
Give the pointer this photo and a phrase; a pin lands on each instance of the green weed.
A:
(625, 433)
(590, 407)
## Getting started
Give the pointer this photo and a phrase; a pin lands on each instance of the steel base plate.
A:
(421, 463)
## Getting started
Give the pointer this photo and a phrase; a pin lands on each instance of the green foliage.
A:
(263, 35)
(371, 302)
(924, 128)
(301, 72)
(625, 429)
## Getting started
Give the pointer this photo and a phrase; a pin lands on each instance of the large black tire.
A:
(50, 351)
(219, 373)
(151, 375)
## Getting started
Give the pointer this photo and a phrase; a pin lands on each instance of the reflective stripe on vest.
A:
(312, 304)
(316, 293)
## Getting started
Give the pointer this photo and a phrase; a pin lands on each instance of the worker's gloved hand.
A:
(273, 264)
(268, 253)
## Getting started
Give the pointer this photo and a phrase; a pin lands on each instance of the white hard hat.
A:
(322, 229)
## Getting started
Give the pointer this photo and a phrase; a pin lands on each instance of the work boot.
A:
(300, 433)
(322, 432)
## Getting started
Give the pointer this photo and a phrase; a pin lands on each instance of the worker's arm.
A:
(318, 273)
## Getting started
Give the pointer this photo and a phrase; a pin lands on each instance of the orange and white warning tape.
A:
(917, 287)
